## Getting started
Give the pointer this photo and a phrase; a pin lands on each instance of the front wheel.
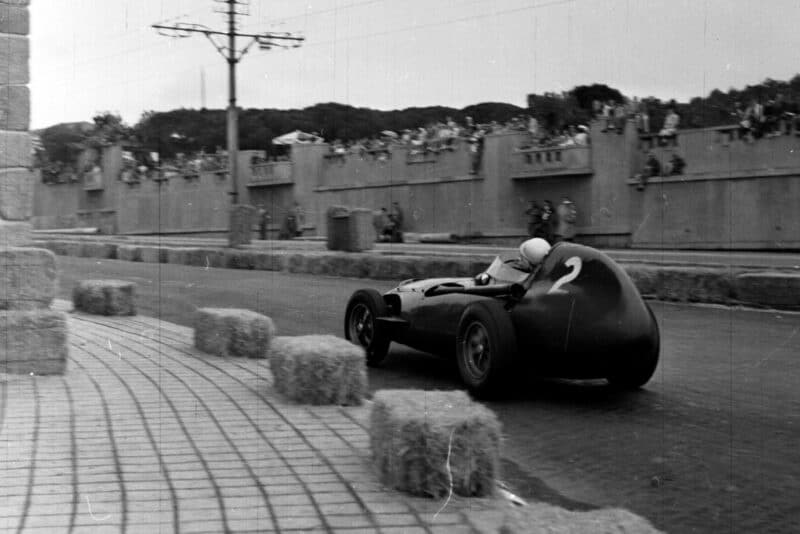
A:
(360, 324)
(486, 347)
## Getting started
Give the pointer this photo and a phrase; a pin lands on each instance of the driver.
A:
(531, 254)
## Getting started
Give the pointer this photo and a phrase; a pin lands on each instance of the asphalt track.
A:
(709, 445)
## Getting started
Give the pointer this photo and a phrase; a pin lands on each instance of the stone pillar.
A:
(33, 338)
(242, 217)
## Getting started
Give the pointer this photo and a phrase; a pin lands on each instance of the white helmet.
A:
(534, 251)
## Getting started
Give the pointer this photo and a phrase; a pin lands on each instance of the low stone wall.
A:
(780, 290)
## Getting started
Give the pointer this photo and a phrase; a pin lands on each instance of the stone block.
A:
(14, 56)
(319, 369)
(105, 297)
(33, 342)
(16, 194)
(420, 439)
(233, 332)
(14, 19)
(14, 233)
(15, 107)
(27, 278)
(771, 289)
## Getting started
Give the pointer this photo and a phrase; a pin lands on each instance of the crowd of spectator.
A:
(552, 223)
(140, 165)
(778, 116)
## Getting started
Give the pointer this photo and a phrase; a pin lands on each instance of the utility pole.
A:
(265, 41)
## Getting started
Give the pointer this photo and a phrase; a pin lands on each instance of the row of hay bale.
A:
(426, 443)
(673, 283)
(423, 442)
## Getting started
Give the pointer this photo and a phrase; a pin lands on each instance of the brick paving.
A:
(146, 434)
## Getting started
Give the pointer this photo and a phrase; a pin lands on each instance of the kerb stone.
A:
(33, 342)
(27, 278)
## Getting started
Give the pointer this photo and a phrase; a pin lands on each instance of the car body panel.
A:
(580, 316)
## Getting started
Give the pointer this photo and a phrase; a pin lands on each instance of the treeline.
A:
(191, 130)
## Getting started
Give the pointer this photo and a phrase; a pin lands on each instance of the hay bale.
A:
(773, 289)
(105, 251)
(269, 261)
(421, 438)
(129, 253)
(154, 254)
(319, 369)
(105, 297)
(233, 332)
(33, 342)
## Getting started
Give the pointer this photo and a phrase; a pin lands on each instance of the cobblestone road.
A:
(146, 434)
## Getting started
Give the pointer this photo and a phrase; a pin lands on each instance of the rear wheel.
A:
(637, 370)
(486, 347)
(360, 324)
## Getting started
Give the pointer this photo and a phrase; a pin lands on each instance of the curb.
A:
(700, 284)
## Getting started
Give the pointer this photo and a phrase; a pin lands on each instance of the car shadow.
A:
(406, 368)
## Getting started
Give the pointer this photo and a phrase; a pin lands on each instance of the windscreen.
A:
(505, 272)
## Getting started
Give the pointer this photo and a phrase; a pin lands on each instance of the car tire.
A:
(639, 369)
(486, 347)
(360, 325)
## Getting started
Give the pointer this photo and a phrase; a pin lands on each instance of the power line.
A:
(264, 40)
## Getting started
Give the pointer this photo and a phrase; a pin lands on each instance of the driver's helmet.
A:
(533, 251)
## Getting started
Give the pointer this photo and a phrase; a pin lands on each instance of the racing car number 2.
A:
(575, 263)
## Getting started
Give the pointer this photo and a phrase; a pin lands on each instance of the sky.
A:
(90, 56)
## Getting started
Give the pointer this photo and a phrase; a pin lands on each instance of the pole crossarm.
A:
(265, 40)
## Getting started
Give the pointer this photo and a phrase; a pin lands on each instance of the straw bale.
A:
(104, 251)
(420, 439)
(129, 253)
(233, 332)
(33, 341)
(105, 297)
(319, 369)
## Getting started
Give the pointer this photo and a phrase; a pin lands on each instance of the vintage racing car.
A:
(578, 315)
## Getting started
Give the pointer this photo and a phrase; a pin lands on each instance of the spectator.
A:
(582, 136)
(566, 214)
(533, 130)
(652, 167)
(396, 223)
(643, 118)
(534, 215)
(608, 115)
(670, 129)
(677, 165)
(263, 222)
(620, 117)
(548, 215)
(381, 223)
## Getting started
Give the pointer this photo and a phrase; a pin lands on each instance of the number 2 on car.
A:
(575, 263)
